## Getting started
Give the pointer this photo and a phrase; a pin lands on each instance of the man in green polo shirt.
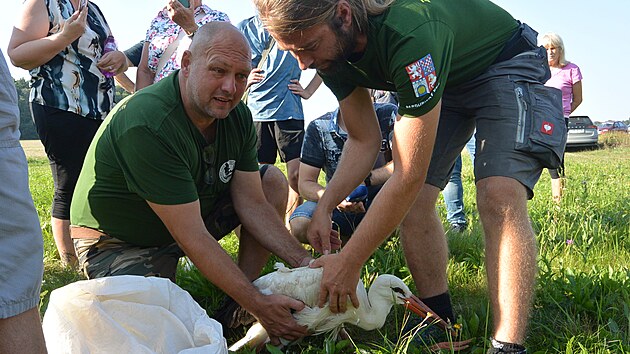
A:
(173, 168)
(456, 66)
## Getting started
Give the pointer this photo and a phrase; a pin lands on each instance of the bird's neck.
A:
(372, 314)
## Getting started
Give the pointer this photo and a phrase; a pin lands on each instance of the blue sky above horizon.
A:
(595, 36)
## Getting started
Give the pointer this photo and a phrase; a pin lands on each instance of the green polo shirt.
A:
(148, 150)
(420, 47)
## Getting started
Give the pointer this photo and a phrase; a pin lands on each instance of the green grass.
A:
(582, 300)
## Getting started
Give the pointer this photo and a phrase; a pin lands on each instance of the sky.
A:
(595, 36)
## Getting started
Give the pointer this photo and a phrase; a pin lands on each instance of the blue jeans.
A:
(344, 223)
(454, 191)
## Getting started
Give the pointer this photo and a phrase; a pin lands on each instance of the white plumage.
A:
(304, 284)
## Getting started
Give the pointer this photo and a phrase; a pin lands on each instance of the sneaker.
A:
(459, 227)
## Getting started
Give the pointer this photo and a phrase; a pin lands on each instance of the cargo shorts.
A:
(107, 256)
(520, 127)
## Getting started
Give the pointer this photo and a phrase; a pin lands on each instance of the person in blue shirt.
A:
(274, 97)
(322, 148)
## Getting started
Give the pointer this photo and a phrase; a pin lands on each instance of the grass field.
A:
(582, 300)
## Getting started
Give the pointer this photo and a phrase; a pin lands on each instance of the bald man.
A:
(173, 169)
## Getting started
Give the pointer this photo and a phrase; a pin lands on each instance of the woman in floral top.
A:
(166, 28)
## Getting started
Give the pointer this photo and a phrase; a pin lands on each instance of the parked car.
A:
(612, 127)
(582, 132)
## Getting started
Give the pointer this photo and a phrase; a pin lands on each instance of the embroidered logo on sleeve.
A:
(546, 128)
(422, 76)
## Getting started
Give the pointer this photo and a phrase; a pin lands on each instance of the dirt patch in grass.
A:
(33, 149)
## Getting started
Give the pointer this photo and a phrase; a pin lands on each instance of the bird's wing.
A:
(321, 320)
(299, 283)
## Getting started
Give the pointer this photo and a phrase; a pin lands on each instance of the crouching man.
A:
(173, 169)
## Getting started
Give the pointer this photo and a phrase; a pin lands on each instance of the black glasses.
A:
(209, 156)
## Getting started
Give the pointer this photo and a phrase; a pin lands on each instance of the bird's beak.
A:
(415, 305)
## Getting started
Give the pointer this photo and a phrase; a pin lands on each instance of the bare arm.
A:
(382, 174)
(184, 16)
(577, 95)
(357, 159)
(125, 82)
(308, 183)
(310, 89)
(261, 219)
(184, 222)
(144, 75)
(30, 45)
(412, 147)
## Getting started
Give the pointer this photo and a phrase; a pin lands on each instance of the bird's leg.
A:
(256, 336)
(343, 334)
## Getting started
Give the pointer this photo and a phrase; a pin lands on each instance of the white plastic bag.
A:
(129, 314)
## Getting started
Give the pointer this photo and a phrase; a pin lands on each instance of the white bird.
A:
(304, 284)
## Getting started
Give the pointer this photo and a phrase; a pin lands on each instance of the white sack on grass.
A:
(129, 314)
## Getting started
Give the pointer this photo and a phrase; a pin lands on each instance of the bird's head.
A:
(389, 286)
(398, 292)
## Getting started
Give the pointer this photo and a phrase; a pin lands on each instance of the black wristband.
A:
(367, 181)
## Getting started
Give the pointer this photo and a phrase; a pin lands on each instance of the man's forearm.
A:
(384, 215)
(311, 190)
(381, 174)
(351, 171)
(219, 268)
(262, 221)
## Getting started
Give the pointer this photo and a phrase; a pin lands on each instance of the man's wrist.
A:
(306, 261)
(190, 32)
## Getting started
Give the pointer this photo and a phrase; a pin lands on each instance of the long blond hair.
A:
(555, 41)
(283, 17)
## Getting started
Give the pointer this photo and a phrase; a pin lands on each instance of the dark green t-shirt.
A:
(148, 150)
(419, 47)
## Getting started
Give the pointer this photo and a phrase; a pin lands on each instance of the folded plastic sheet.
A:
(129, 314)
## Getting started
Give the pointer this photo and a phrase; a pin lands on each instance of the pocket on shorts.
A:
(541, 131)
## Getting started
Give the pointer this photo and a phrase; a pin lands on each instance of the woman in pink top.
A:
(566, 77)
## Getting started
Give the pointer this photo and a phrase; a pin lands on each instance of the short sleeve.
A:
(420, 64)
(576, 74)
(312, 148)
(135, 53)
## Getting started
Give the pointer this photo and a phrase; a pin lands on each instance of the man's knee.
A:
(500, 196)
(425, 201)
(299, 226)
(275, 186)
(274, 180)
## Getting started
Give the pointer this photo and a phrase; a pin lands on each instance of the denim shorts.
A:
(519, 122)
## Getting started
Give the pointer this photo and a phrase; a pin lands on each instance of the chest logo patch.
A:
(226, 171)
(422, 76)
